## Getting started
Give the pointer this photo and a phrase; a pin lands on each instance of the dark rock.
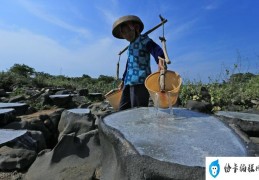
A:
(62, 101)
(18, 125)
(100, 109)
(205, 95)
(96, 96)
(63, 92)
(74, 157)
(7, 116)
(82, 92)
(45, 99)
(249, 123)
(76, 121)
(3, 93)
(79, 100)
(20, 108)
(55, 117)
(16, 159)
(39, 138)
(36, 125)
(204, 107)
(20, 139)
(31, 110)
(17, 98)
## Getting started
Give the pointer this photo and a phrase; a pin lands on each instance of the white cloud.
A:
(177, 31)
(39, 12)
(212, 5)
(46, 55)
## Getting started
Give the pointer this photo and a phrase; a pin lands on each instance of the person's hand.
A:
(161, 64)
(121, 85)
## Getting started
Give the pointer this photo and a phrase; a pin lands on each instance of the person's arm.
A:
(155, 50)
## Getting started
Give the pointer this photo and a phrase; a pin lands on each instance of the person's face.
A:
(128, 33)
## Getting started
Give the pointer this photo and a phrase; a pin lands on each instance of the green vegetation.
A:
(237, 89)
(22, 75)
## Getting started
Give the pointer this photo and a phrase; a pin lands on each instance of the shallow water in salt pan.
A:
(184, 137)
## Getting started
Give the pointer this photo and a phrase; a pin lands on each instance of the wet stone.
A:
(7, 135)
(185, 138)
(239, 115)
(6, 116)
(4, 111)
(80, 111)
(20, 108)
(59, 96)
(10, 105)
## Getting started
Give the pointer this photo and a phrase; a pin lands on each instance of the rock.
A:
(3, 93)
(76, 121)
(17, 125)
(255, 140)
(45, 99)
(62, 101)
(16, 159)
(20, 139)
(74, 157)
(20, 108)
(79, 100)
(39, 138)
(204, 107)
(100, 108)
(31, 110)
(142, 143)
(64, 92)
(205, 95)
(248, 122)
(17, 98)
(254, 101)
(96, 96)
(36, 125)
(7, 116)
(82, 92)
(55, 118)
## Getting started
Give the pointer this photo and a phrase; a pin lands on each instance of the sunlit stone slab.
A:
(60, 96)
(185, 138)
(79, 111)
(239, 115)
(7, 135)
(10, 105)
(4, 111)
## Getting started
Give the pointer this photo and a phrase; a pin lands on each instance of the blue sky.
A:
(72, 38)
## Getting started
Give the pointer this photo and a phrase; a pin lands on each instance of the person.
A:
(134, 92)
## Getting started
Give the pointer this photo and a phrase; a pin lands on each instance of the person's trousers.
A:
(134, 96)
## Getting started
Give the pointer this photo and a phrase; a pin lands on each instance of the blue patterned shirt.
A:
(138, 63)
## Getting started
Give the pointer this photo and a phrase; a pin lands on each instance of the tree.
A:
(22, 70)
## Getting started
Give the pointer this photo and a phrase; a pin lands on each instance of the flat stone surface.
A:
(185, 138)
(3, 111)
(60, 96)
(239, 115)
(10, 105)
(7, 135)
(79, 111)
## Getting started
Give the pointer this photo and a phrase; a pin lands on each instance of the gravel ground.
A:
(11, 175)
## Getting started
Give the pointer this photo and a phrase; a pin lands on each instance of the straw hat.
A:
(116, 30)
